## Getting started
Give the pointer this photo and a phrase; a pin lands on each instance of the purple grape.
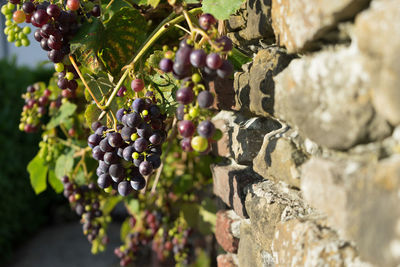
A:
(138, 105)
(103, 166)
(47, 30)
(184, 43)
(156, 150)
(120, 112)
(53, 43)
(127, 153)
(55, 56)
(155, 160)
(154, 111)
(72, 85)
(126, 133)
(99, 172)
(166, 65)
(210, 73)
(155, 139)
(180, 112)
(115, 140)
(38, 37)
(97, 153)
(138, 161)
(40, 16)
(124, 188)
(144, 130)
(94, 140)
(213, 61)
(205, 99)
(145, 168)
(206, 129)
(225, 70)
(116, 171)
(53, 11)
(206, 21)
(110, 158)
(104, 181)
(186, 144)
(105, 146)
(185, 95)
(100, 130)
(225, 43)
(121, 91)
(95, 125)
(28, 7)
(198, 58)
(181, 69)
(138, 182)
(141, 144)
(62, 83)
(133, 119)
(186, 128)
(182, 56)
(96, 11)
(44, 45)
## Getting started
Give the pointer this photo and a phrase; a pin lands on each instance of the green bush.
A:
(21, 212)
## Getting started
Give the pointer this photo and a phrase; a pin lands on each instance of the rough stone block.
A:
(298, 23)
(280, 160)
(360, 197)
(243, 136)
(227, 260)
(250, 253)
(306, 243)
(328, 97)
(223, 232)
(229, 184)
(377, 31)
(224, 93)
(267, 204)
(255, 89)
(258, 20)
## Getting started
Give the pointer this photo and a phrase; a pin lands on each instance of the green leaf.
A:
(125, 229)
(155, 58)
(238, 59)
(92, 113)
(66, 110)
(221, 9)
(110, 204)
(38, 173)
(99, 85)
(133, 206)
(64, 165)
(153, 3)
(55, 183)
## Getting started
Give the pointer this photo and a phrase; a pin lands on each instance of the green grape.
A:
(59, 67)
(26, 42)
(7, 30)
(21, 126)
(10, 6)
(145, 112)
(69, 76)
(135, 155)
(11, 38)
(199, 143)
(22, 35)
(134, 136)
(9, 17)
(194, 112)
(26, 30)
(4, 10)
(8, 23)
(196, 78)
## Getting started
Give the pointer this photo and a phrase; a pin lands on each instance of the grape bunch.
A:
(36, 102)
(132, 150)
(85, 202)
(67, 76)
(16, 34)
(191, 63)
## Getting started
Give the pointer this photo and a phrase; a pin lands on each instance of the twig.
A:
(182, 28)
(109, 4)
(84, 82)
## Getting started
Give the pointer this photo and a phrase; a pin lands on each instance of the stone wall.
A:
(311, 175)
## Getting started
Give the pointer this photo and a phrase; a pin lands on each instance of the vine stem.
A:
(157, 33)
(84, 82)
(171, 138)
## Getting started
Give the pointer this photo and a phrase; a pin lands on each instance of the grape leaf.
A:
(153, 3)
(237, 58)
(66, 110)
(92, 113)
(38, 172)
(99, 86)
(110, 203)
(125, 228)
(154, 59)
(64, 165)
(221, 9)
(55, 182)
(133, 206)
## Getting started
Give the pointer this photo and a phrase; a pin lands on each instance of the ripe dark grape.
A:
(94, 139)
(53, 11)
(104, 181)
(155, 160)
(53, 43)
(144, 130)
(115, 139)
(105, 145)
(185, 95)
(133, 119)
(154, 111)
(198, 58)
(205, 99)
(225, 70)
(206, 129)
(138, 105)
(213, 61)
(44, 45)
(127, 132)
(166, 65)
(103, 166)
(206, 21)
(182, 56)
(226, 43)
(138, 182)
(97, 153)
(137, 85)
(155, 139)
(127, 153)
(96, 11)
(110, 158)
(145, 168)
(138, 161)
(184, 43)
(141, 144)
(55, 56)
(95, 125)
(210, 73)
(28, 7)
(124, 188)
(186, 128)
(41, 17)
(116, 170)
(180, 112)
(121, 91)
(120, 112)
(37, 35)
(185, 144)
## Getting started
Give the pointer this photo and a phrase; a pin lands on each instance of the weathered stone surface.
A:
(361, 200)
(258, 20)
(250, 253)
(377, 32)
(255, 89)
(229, 183)
(224, 93)
(243, 135)
(223, 232)
(306, 243)
(298, 23)
(280, 160)
(268, 203)
(227, 260)
(328, 97)
(236, 23)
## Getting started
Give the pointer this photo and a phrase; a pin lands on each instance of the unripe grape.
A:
(73, 5)
(137, 85)
(26, 30)
(199, 143)
(59, 67)
(19, 16)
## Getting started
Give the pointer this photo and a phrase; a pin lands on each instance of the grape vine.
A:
(128, 107)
